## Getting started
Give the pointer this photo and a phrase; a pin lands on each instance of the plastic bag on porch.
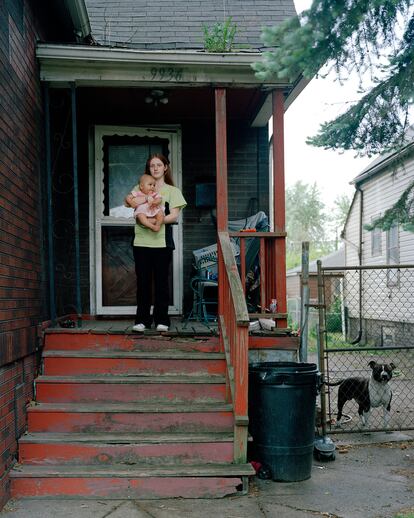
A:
(260, 223)
(205, 259)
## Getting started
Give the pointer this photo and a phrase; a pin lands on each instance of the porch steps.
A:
(62, 363)
(123, 482)
(123, 417)
(61, 339)
(129, 449)
(129, 389)
(136, 418)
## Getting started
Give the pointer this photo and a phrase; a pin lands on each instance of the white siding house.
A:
(380, 302)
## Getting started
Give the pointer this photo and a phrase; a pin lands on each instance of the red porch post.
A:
(279, 251)
(221, 179)
(221, 159)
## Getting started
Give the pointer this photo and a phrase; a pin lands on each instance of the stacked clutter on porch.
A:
(126, 417)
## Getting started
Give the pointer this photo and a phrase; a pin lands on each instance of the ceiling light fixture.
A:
(156, 97)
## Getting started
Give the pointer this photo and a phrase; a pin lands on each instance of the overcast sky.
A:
(320, 101)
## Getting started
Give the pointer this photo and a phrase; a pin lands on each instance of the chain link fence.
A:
(368, 316)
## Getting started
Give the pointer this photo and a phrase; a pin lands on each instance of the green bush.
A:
(334, 317)
(333, 322)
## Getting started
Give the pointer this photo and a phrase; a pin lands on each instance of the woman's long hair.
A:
(168, 173)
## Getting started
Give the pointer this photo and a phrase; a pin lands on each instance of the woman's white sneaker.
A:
(140, 328)
(162, 328)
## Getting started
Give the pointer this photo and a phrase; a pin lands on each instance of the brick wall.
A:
(21, 262)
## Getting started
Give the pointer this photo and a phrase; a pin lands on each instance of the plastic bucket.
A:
(282, 402)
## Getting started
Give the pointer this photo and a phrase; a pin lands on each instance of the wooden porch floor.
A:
(124, 326)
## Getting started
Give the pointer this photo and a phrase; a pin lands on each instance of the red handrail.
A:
(234, 341)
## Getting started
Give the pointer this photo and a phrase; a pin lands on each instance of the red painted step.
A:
(73, 417)
(106, 449)
(125, 416)
(73, 363)
(127, 389)
(75, 341)
(119, 482)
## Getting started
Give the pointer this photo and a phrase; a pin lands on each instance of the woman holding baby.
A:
(157, 203)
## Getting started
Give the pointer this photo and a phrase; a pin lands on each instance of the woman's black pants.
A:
(152, 264)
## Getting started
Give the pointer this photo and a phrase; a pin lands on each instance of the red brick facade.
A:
(21, 247)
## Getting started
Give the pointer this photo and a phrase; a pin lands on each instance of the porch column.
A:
(76, 201)
(279, 204)
(221, 183)
(221, 160)
(51, 255)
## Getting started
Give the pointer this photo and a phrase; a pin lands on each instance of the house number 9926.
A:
(166, 74)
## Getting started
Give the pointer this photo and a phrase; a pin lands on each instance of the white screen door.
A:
(120, 156)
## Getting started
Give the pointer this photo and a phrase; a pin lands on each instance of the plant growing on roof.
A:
(220, 37)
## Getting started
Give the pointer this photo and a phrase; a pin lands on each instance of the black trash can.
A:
(282, 402)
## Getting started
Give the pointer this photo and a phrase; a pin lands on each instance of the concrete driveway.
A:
(372, 477)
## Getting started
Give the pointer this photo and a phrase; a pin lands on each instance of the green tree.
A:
(357, 35)
(339, 214)
(341, 208)
(306, 220)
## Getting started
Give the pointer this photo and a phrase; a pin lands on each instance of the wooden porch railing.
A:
(234, 318)
(234, 341)
(272, 273)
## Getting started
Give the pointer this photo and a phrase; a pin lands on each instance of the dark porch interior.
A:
(193, 110)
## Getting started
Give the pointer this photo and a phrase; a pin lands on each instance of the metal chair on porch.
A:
(204, 286)
(205, 300)
(204, 283)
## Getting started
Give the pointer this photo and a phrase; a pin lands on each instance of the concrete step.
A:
(65, 363)
(125, 449)
(82, 389)
(64, 339)
(129, 417)
(135, 482)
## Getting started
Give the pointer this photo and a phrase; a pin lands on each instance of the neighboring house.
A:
(386, 298)
(89, 89)
(332, 282)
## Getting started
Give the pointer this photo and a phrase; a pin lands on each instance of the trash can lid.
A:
(283, 367)
(283, 373)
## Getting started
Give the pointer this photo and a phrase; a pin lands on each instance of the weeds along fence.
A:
(366, 314)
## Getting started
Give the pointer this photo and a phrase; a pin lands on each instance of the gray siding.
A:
(381, 302)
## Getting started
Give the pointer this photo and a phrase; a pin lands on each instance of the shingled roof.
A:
(178, 24)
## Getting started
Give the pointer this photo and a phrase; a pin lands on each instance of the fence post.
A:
(304, 310)
(321, 344)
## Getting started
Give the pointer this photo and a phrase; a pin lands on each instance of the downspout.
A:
(361, 211)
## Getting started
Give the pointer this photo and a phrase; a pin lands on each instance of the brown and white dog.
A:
(368, 393)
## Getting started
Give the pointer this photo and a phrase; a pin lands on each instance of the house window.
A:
(393, 256)
(376, 245)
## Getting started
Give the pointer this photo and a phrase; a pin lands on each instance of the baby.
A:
(149, 211)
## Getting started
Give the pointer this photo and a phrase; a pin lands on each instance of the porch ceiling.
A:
(136, 72)
(184, 104)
